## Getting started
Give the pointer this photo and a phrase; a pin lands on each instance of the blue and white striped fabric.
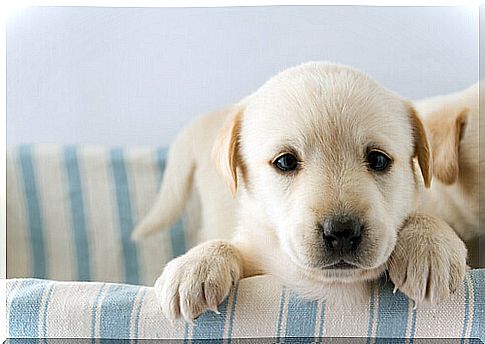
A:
(258, 307)
(71, 210)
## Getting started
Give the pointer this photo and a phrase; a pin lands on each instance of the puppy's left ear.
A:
(225, 152)
(421, 147)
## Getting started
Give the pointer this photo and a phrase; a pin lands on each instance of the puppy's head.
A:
(325, 157)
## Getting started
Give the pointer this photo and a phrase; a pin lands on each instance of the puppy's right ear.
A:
(446, 132)
(225, 152)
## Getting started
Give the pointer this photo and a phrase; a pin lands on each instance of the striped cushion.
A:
(70, 212)
(257, 307)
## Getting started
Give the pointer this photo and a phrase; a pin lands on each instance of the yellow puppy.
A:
(453, 124)
(327, 168)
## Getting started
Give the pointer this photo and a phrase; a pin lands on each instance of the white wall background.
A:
(130, 76)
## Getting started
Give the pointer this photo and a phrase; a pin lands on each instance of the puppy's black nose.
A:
(342, 233)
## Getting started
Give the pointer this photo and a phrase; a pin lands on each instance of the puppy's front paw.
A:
(199, 280)
(429, 261)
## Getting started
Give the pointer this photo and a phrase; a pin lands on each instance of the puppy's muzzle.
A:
(341, 234)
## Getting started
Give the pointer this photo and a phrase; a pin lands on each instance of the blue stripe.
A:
(413, 327)
(46, 306)
(371, 314)
(33, 211)
(125, 215)
(162, 154)
(77, 212)
(177, 232)
(25, 309)
(93, 314)
(478, 324)
(322, 320)
(466, 305)
(116, 310)
(186, 332)
(177, 238)
(280, 314)
(137, 314)
(231, 315)
(301, 318)
(210, 325)
(392, 316)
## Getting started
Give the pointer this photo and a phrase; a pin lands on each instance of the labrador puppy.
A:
(453, 123)
(327, 170)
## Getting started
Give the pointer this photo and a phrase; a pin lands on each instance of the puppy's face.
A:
(327, 155)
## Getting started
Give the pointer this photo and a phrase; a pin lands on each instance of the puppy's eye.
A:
(286, 162)
(377, 161)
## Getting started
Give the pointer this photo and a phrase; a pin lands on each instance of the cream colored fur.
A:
(190, 169)
(452, 121)
(330, 114)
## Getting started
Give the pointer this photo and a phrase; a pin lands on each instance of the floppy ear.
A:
(225, 152)
(446, 133)
(421, 147)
